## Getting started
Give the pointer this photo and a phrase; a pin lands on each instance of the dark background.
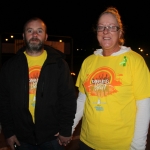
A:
(77, 18)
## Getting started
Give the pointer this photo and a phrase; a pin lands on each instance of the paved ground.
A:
(148, 141)
(74, 145)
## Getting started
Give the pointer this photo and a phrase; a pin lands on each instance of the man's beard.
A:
(34, 47)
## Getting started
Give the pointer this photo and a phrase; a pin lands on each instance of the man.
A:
(37, 94)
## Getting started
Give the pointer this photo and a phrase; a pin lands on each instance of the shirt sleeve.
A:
(141, 78)
(79, 112)
(141, 125)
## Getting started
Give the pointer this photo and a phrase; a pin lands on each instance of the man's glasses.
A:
(109, 28)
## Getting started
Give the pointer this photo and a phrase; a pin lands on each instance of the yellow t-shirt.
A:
(35, 65)
(112, 85)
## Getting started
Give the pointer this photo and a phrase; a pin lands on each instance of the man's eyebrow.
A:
(32, 28)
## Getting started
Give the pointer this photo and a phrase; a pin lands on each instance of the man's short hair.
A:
(34, 19)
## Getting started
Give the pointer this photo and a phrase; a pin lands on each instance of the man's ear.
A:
(23, 35)
(46, 37)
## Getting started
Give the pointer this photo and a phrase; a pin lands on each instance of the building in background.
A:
(11, 43)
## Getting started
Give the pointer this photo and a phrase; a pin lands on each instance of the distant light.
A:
(12, 36)
(6, 39)
(147, 54)
(77, 49)
(73, 74)
(141, 50)
(60, 40)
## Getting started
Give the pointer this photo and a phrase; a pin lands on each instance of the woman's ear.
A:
(120, 34)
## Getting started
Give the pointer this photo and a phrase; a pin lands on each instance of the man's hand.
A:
(12, 141)
(64, 140)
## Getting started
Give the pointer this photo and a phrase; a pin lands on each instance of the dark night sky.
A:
(76, 19)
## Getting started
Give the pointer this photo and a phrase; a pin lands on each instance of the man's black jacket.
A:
(55, 99)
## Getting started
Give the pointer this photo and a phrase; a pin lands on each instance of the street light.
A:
(71, 39)
(140, 49)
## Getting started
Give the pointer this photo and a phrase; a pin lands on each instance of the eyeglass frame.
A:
(108, 28)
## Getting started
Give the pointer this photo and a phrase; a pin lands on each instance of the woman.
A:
(114, 93)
